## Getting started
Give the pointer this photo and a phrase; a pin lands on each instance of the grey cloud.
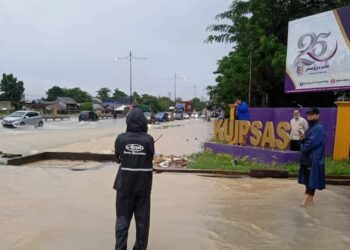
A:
(73, 43)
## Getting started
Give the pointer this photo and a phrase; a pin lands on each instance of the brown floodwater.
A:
(45, 208)
(46, 205)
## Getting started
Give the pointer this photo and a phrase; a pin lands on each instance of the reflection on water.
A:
(264, 214)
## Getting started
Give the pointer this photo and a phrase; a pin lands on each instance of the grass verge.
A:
(209, 160)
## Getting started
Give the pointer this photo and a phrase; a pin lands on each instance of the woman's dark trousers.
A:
(127, 206)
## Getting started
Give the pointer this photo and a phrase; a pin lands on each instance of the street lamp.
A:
(130, 57)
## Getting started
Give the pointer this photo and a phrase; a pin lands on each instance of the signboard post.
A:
(318, 59)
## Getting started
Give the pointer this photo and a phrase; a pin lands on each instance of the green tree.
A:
(118, 94)
(136, 98)
(88, 106)
(258, 30)
(103, 93)
(54, 92)
(12, 89)
(77, 95)
(151, 101)
(198, 104)
(164, 103)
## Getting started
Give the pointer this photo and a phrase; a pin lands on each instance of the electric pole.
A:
(195, 90)
(175, 78)
(130, 57)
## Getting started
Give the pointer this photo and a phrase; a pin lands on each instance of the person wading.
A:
(134, 150)
(312, 148)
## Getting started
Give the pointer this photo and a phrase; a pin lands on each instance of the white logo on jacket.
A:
(134, 147)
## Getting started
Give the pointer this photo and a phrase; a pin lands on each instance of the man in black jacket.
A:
(134, 151)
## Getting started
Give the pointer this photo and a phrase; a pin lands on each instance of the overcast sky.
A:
(73, 43)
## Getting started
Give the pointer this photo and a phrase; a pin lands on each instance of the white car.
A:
(23, 118)
(195, 115)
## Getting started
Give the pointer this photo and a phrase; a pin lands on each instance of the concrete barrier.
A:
(61, 156)
(56, 117)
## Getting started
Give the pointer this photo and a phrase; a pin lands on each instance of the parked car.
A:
(88, 116)
(23, 118)
(150, 117)
(178, 116)
(162, 117)
(186, 116)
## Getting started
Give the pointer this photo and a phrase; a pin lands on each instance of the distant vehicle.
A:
(162, 117)
(171, 116)
(194, 115)
(23, 118)
(88, 116)
(215, 113)
(150, 117)
(186, 106)
(178, 116)
(186, 116)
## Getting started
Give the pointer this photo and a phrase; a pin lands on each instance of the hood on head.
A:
(136, 121)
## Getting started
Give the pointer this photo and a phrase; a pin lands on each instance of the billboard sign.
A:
(318, 53)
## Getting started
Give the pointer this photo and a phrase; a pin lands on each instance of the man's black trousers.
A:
(127, 206)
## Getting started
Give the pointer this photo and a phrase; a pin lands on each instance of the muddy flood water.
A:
(47, 206)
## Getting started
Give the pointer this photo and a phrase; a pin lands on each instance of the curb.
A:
(200, 171)
(343, 182)
(254, 173)
(61, 156)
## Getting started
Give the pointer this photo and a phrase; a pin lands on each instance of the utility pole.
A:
(195, 90)
(130, 57)
(175, 78)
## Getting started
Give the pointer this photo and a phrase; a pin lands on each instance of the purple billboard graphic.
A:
(276, 116)
(318, 53)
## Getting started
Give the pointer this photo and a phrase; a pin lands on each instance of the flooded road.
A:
(45, 208)
(30, 140)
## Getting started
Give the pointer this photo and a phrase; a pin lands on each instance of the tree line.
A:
(258, 30)
(13, 90)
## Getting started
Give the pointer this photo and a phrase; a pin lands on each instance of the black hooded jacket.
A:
(134, 149)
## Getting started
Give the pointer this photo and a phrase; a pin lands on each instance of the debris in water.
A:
(164, 161)
(234, 163)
